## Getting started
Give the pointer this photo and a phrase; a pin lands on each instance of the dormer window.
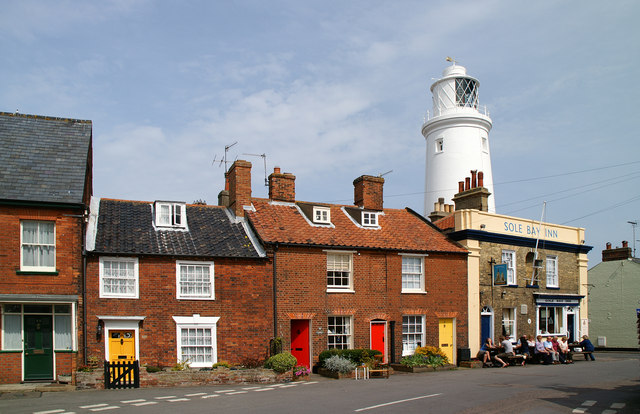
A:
(321, 215)
(170, 214)
(369, 219)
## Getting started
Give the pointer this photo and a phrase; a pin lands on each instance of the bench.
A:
(515, 359)
(379, 368)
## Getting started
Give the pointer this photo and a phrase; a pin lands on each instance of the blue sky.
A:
(331, 90)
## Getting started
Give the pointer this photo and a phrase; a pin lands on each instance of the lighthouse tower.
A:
(457, 134)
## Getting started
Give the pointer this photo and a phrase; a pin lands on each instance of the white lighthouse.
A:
(457, 134)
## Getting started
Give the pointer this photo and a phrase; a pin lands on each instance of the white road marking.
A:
(618, 406)
(288, 386)
(223, 391)
(93, 406)
(179, 399)
(140, 404)
(310, 382)
(589, 403)
(249, 388)
(237, 392)
(579, 410)
(49, 412)
(131, 401)
(396, 402)
(197, 394)
(210, 396)
(264, 389)
(166, 397)
(110, 407)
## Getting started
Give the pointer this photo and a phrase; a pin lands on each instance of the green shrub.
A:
(153, 368)
(339, 364)
(421, 360)
(357, 356)
(431, 351)
(224, 364)
(281, 362)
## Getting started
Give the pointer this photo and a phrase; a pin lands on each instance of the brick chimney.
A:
(619, 253)
(282, 186)
(471, 193)
(239, 179)
(367, 192)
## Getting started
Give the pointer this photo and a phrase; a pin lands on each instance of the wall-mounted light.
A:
(99, 329)
(319, 331)
(482, 226)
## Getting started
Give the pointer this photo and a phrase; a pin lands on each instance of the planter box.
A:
(403, 368)
(336, 375)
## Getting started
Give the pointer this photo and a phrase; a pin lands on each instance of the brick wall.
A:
(368, 192)
(239, 177)
(302, 294)
(282, 186)
(514, 297)
(243, 301)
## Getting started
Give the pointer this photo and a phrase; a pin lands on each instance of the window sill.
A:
(533, 286)
(416, 292)
(65, 351)
(330, 290)
(180, 298)
(37, 272)
(118, 297)
(553, 287)
(11, 351)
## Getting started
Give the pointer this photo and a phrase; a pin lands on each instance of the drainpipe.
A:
(275, 293)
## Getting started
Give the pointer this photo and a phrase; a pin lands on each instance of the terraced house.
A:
(170, 282)
(45, 187)
(355, 276)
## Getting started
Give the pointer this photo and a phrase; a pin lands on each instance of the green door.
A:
(38, 347)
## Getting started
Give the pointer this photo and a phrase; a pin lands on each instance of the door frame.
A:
(385, 352)
(52, 360)
(118, 323)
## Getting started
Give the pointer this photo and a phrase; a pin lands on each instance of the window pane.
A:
(63, 332)
(12, 327)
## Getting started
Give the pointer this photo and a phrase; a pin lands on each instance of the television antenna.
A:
(264, 159)
(224, 159)
(633, 226)
(537, 263)
(383, 174)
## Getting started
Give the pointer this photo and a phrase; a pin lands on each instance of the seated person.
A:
(563, 344)
(508, 351)
(548, 345)
(523, 348)
(556, 349)
(541, 352)
(485, 352)
(587, 348)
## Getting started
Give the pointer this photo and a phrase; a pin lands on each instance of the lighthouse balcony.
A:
(476, 110)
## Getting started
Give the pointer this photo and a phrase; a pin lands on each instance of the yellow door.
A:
(446, 338)
(122, 346)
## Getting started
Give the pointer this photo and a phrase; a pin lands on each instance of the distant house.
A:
(170, 282)
(614, 299)
(45, 187)
(355, 276)
(525, 276)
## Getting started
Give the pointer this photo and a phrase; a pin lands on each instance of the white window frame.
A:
(347, 332)
(133, 295)
(331, 267)
(24, 244)
(560, 311)
(509, 320)
(485, 144)
(180, 295)
(509, 257)
(552, 272)
(322, 215)
(412, 333)
(197, 322)
(410, 273)
(439, 145)
(369, 219)
(177, 216)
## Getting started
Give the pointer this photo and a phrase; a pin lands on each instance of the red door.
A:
(378, 331)
(300, 341)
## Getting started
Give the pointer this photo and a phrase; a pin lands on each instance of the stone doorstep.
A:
(471, 364)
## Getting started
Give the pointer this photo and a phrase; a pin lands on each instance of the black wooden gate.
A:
(121, 374)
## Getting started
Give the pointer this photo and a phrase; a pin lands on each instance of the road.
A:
(609, 385)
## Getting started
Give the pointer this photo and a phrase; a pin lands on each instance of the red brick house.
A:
(355, 276)
(172, 282)
(45, 187)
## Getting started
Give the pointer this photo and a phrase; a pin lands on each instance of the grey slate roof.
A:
(43, 159)
(126, 227)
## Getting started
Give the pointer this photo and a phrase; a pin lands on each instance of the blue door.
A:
(571, 326)
(485, 328)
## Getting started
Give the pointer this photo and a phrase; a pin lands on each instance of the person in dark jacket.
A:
(587, 348)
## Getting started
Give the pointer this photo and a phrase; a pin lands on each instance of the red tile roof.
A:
(446, 223)
(398, 229)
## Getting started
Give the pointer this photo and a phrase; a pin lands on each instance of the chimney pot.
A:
(480, 179)
(276, 170)
(460, 186)
(608, 245)
(467, 183)
(625, 243)
(474, 181)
